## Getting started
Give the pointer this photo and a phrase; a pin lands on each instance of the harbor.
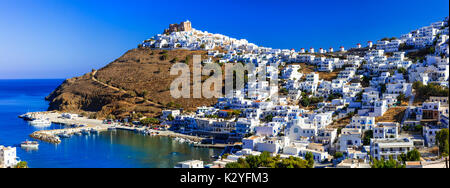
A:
(76, 125)
(119, 147)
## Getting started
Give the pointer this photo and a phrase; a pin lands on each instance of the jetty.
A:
(218, 146)
(52, 136)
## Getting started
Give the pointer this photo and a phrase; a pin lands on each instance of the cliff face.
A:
(139, 81)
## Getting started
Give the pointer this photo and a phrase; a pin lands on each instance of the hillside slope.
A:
(139, 81)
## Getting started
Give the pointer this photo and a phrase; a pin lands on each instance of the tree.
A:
(423, 92)
(164, 57)
(241, 163)
(442, 142)
(93, 116)
(266, 160)
(170, 117)
(366, 81)
(148, 121)
(413, 155)
(284, 91)
(334, 96)
(383, 88)
(110, 116)
(187, 59)
(359, 97)
(391, 163)
(338, 155)
(367, 136)
(309, 157)
(402, 71)
(305, 102)
(22, 164)
(268, 118)
(400, 98)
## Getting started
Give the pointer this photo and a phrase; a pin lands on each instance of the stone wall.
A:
(183, 26)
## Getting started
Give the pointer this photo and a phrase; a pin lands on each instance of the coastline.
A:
(51, 136)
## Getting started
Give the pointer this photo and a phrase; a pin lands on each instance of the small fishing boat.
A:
(41, 123)
(64, 135)
(85, 132)
(94, 131)
(29, 145)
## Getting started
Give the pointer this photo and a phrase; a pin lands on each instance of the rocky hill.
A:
(139, 82)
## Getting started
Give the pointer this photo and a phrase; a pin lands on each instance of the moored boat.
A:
(29, 145)
(64, 135)
(85, 132)
(94, 131)
(41, 123)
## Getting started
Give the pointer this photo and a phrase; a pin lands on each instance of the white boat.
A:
(29, 145)
(112, 129)
(64, 135)
(41, 123)
(85, 132)
(94, 131)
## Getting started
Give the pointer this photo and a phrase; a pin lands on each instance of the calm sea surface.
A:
(119, 149)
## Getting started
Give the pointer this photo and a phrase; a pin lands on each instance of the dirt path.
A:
(94, 73)
(104, 84)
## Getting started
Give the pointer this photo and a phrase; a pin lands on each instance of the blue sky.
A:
(66, 38)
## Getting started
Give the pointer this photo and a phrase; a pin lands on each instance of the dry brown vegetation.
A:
(328, 76)
(138, 81)
(341, 123)
(394, 114)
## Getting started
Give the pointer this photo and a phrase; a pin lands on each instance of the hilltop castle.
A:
(183, 26)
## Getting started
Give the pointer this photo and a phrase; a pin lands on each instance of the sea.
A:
(111, 149)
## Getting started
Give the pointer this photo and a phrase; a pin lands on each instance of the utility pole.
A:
(446, 162)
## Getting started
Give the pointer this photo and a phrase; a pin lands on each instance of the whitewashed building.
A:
(8, 157)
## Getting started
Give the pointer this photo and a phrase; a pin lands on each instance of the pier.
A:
(51, 136)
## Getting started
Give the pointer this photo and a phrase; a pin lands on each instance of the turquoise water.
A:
(121, 149)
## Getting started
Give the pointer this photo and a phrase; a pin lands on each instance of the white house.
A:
(167, 113)
(250, 142)
(362, 122)
(386, 147)
(268, 129)
(190, 164)
(386, 130)
(8, 157)
(349, 138)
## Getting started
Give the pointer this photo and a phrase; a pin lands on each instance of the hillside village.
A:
(384, 104)
(381, 105)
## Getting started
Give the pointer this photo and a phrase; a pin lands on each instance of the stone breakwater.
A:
(171, 134)
(46, 137)
(51, 136)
